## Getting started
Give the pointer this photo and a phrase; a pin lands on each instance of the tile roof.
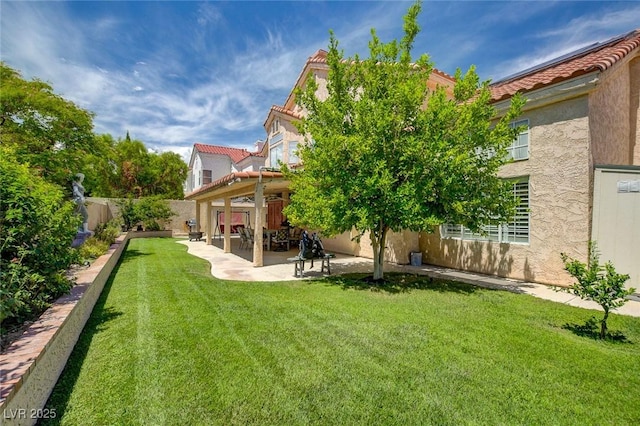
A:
(319, 60)
(235, 177)
(235, 154)
(283, 110)
(596, 57)
(320, 57)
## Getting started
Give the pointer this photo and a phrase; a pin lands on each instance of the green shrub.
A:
(154, 212)
(93, 248)
(598, 283)
(128, 213)
(152, 225)
(37, 227)
(107, 232)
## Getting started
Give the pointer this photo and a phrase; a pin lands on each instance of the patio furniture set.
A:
(310, 247)
(282, 239)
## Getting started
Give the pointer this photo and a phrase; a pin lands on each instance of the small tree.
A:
(128, 213)
(385, 153)
(600, 284)
(154, 212)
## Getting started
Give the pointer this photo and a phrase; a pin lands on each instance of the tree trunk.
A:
(378, 242)
(603, 324)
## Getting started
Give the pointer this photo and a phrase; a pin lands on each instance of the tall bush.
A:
(37, 226)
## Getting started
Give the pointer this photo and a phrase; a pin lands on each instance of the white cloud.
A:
(577, 33)
(153, 91)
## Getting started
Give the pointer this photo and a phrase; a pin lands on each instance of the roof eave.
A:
(553, 93)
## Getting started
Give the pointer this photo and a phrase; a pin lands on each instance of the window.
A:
(519, 149)
(293, 153)
(206, 177)
(275, 155)
(275, 126)
(514, 231)
(517, 229)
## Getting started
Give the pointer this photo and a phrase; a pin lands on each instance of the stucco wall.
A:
(185, 210)
(101, 210)
(220, 165)
(399, 245)
(559, 198)
(610, 110)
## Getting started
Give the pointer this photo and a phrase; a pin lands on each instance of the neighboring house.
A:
(581, 118)
(209, 163)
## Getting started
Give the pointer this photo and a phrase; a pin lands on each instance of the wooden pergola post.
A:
(209, 224)
(227, 225)
(198, 228)
(258, 245)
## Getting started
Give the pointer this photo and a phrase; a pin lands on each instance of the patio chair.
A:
(251, 238)
(294, 236)
(248, 233)
(281, 239)
(244, 239)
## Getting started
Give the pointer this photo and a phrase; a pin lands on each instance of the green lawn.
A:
(169, 344)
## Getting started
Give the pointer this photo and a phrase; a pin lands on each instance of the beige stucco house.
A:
(582, 117)
(581, 120)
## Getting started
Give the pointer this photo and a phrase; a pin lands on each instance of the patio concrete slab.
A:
(238, 266)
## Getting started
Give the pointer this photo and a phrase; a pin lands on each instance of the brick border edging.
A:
(31, 366)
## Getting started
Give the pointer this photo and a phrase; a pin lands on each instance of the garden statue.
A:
(78, 197)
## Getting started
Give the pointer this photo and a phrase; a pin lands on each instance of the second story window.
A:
(293, 153)
(275, 126)
(275, 155)
(206, 177)
(519, 149)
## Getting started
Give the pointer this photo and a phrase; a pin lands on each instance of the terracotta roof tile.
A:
(283, 110)
(235, 154)
(597, 57)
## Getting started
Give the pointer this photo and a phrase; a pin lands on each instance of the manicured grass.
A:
(169, 344)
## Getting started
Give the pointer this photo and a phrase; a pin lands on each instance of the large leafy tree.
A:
(384, 153)
(126, 168)
(170, 172)
(41, 128)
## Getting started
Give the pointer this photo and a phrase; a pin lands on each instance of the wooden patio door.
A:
(274, 214)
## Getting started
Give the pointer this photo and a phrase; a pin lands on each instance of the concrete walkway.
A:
(238, 266)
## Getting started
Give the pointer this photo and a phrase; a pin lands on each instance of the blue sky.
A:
(176, 73)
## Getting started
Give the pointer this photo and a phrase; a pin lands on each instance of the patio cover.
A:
(257, 184)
